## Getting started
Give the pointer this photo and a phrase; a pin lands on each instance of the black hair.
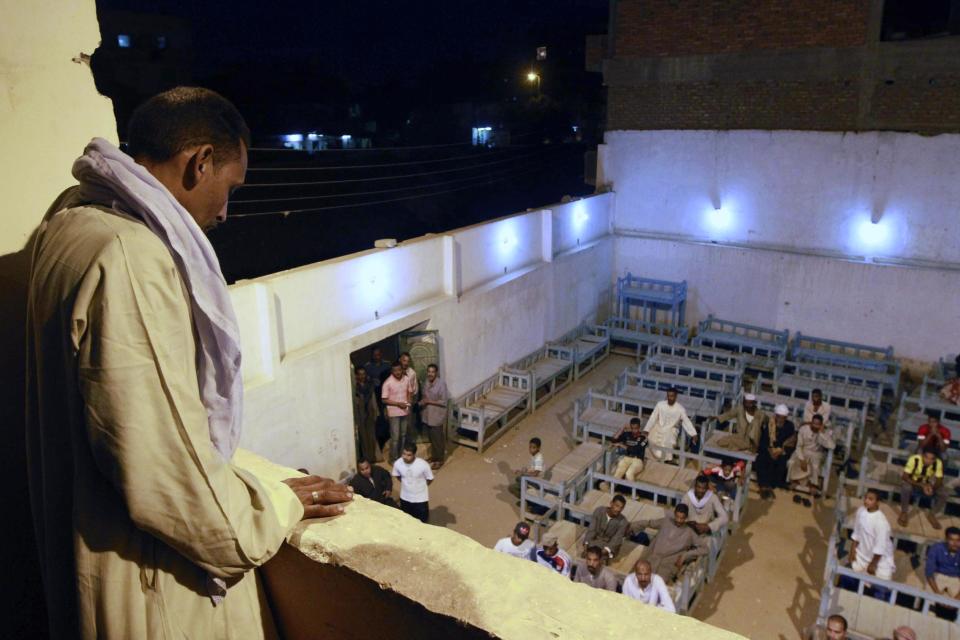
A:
(682, 508)
(595, 550)
(433, 366)
(361, 461)
(536, 441)
(702, 479)
(816, 416)
(952, 531)
(818, 391)
(673, 390)
(934, 415)
(619, 498)
(406, 353)
(184, 117)
(636, 421)
(396, 363)
(875, 492)
(410, 447)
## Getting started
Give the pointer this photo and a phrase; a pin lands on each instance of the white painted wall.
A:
(299, 327)
(801, 189)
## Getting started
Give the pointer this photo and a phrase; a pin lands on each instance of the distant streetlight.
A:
(533, 76)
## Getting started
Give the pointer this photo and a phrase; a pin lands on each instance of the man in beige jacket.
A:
(145, 527)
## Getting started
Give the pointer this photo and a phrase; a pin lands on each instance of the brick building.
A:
(835, 65)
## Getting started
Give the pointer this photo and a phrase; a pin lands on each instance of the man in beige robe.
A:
(145, 529)
(745, 434)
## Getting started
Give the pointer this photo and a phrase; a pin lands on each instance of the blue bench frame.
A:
(763, 348)
(651, 296)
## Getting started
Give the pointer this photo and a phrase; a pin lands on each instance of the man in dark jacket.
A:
(373, 482)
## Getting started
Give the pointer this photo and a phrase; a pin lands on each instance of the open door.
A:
(424, 348)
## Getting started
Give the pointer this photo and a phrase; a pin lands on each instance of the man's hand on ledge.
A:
(321, 497)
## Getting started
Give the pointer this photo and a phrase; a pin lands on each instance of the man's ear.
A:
(199, 166)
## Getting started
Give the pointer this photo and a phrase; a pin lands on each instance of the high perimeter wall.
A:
(494, 292)
(776, 229)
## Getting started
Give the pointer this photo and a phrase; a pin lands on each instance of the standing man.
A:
(415, 476)
(778, 437)
(662, 426)
(814, 440)
(433, 408)
(942, 569)
(608, 528)
(373, 483)
(749, 418)
(146, 528)
(395, 392)
(365, 413)
(647, 587)
(410, 374)
(674, 545)
(815, 406)
(593, 572)
(518, 544)
(632, 442)
(377, 368)
(872, 549)
(550, 555)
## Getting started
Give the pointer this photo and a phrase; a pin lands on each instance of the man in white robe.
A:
(663, 426)
(814, 440)
(145, 528)
(872, 550)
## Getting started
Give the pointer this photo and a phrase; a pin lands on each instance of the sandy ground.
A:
(768, 583)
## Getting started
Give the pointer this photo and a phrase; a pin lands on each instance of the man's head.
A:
(700, 486)
(636, 426)
(816, 396)
(952, 536)
(520, 533)
(396, 370)
(929, 457)
(377, 354)
(816, 423)
(534, 446)
(836, 627)
(361, 375)
(644, 572)
(409, 452)
(904, 633)
(780, 413)
(551, 545)
(194, 141)
(680, 514)
(871, 500)
(671, 395)
(616, 506)
(363, 468)
(933, 421)
(749, 401)
(594, 558)
(432, 372)
(405, 359)
(726, 465)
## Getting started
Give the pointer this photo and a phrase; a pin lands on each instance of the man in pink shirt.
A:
(396, 394)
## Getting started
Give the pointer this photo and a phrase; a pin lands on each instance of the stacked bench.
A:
(651, 300)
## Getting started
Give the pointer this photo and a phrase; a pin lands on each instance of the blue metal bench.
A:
(590, 344)
(848, 354)
(483, 413)
(642, 336)
(550, 368)
(763, 348)
(651, 300)
(825, 373)
(678, 370)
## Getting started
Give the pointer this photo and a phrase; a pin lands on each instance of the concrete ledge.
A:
(325, 583)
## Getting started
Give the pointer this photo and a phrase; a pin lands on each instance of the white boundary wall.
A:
(494, 291)
(792, 245)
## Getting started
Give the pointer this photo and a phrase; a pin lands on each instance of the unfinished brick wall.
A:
(686, 27)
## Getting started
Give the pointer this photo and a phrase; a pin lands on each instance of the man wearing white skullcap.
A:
(777, 440)
(745, 434)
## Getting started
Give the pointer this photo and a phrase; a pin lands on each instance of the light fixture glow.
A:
(531, 76)
(873, 235)
(312, 136)
(123, 41)
(293, 137)
(718, 219)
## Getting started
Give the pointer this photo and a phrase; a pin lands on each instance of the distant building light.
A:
(312, 137)
(575, 128)
(161, 42)
(481, 136)
(293, 137)
(346, 137)
(123, 41)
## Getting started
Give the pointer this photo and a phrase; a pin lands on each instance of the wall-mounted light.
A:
(718, 219)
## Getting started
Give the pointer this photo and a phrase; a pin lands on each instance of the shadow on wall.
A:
(22, 569)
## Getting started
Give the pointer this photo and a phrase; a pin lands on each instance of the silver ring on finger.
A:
(316, 496)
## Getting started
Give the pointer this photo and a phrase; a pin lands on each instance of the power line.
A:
(376, 202)
(390, 164)
(396, 177)
(421, 146)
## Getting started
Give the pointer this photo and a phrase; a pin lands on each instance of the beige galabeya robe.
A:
(133, 506)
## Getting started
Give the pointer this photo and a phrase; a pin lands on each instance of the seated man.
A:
(815, 406)
(608, 527)
(777, 439)
(373, 483)
(707, 514)
(746, 434)
(663, 426)
(550, 555)
(872, 549)
(647, 587)
(922, 477)
(591, 571)
(675, 545)
(534, 467)
(942, 569)
(632, 442)
(933, 436)
(517, 544)
(804, 466)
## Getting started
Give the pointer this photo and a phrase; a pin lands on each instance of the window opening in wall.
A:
(372, 427)
(918, 19)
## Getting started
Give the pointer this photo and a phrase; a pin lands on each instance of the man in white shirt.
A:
(647, 587)
(517, 544)
(662, 427)
(815, 406)
(550, 555)
(415, 475)
(872, 550)
(814, 440)
(534, 467)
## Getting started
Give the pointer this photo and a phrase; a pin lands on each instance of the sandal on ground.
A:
(797, 499)
(806, 502)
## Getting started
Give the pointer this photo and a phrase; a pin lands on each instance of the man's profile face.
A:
(534, 448)
(679, 518)
(207, 202)
(870, 501)
(643, 574)
(700, 489)
(671, 397)
(615, 508)
(364, 469)
(953, 542)
(593, 563)
(835, 630)
(431, 373)
(405, 360)
(408, 456)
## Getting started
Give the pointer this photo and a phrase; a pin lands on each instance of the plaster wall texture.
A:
(299, 327)
(915, 310)
(798, 189)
